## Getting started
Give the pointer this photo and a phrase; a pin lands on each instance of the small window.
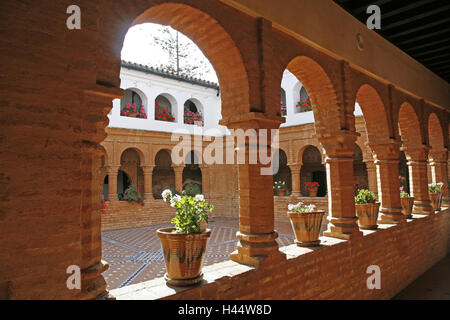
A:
(132, 105)
(193, 113)
(304, 105)
(164, 109)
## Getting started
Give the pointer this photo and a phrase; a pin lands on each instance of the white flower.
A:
(291, 207)
(311, 208)
(166, 195)
(200, 197)
(175, 200)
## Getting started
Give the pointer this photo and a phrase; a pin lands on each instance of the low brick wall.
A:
(336, 270)
(122, 215)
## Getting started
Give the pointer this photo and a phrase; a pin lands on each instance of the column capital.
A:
(148, 169)
(438, 155)
(387, 150)
(178, 168)
(112, 169)
(252, 120)
(294, 167)
(416, 153)
(340, 145)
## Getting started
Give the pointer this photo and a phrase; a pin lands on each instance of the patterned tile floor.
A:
(134, 255)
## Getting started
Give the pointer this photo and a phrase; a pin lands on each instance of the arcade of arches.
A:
(60, 143)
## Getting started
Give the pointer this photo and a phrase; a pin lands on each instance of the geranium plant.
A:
(283, 108)
(402, 182)
(103, 206)
(163, 114)
(193, 117)
(364, 197)
(311, 186)
(300, 208)
(304, 105)
(279, 185)
(134, 109)
(435, 187)
(191, 211)
(132, 195)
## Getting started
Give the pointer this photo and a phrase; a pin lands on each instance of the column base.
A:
(343, 228)
(93, 283)
(257, 250)
(391, 216)
(422, 207)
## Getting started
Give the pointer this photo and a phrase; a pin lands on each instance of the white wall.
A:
(149, 86)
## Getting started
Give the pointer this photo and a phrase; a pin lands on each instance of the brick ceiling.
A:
(421, 28)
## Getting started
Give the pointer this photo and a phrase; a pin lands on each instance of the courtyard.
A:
(134, 255)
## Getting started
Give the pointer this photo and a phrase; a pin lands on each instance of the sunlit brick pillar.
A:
(372, 176)
(257, 245)
(341, 204)
(418, 178)
(439, 171)
(148, 181)
(178, 170)
(295, 173)
(387, 161)
(113, 172)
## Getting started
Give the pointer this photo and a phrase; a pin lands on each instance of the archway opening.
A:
(313, 170)
(163, 174)
(284, 172)
(192, 175)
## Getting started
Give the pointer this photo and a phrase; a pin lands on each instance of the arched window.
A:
(164, 109)
(130, 165)
(283, 103)
(404, 172)
(359, 169)
(304, 105)
(163, 174)
(193, 113)
(132, 105)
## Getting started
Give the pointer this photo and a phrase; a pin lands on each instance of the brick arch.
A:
(409, 125)
(321, 91)
(302, 151)
(215, 43)
(435, 132)
(137, 149)
(374, 112)
(159, 150)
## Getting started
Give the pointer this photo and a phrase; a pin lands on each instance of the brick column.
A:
(113, 172)
(439, 172)
(295, 174)
(372, 176)
(418, 178)
(386, 160)
(178, 177)
(205, 180)
(148, 181)
(257, 245)
(342, 219)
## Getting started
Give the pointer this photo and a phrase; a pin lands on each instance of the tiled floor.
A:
(134, 255)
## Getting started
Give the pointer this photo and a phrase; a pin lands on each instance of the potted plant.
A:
(312, 188)
(435, 192)
(184, 245)
(131, 110)
(406, 201)
(367, 209)
(283, 109)
(306, 222)
(280, 187)
(304, 106)
(132, 195)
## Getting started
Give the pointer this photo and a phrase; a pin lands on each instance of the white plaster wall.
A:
(178, 92)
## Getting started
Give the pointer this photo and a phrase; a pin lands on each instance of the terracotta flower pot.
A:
(313, 192)
(435, 201)
(407, 206)
(306, 227)
(281, 192)
(184, 255)
(367, 215)
(132, 114)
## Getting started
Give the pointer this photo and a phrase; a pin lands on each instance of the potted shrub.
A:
(312, 188)
(306, 222)
(132, 195)
(184, 245)
(406, 201)
(435, 192)
(367, 209)
(280, 187)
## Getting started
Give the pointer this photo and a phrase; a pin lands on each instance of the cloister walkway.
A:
(134, 255)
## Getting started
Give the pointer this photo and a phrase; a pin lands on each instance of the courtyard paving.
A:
(135, 255)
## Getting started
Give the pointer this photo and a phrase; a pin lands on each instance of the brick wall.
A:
(336, 270)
